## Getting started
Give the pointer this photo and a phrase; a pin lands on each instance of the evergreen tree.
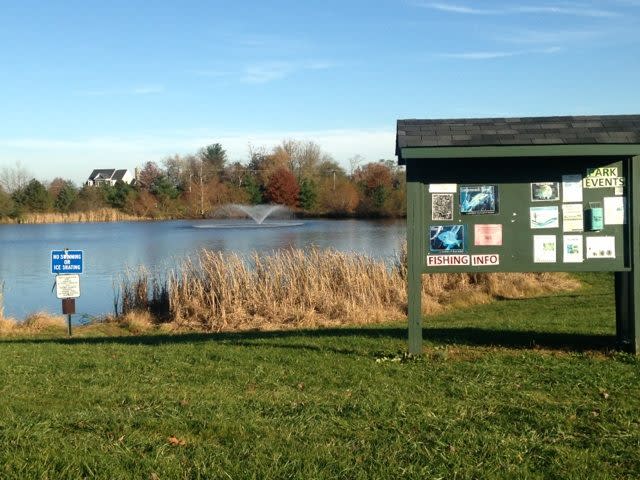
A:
(164, 189)
(214, 156)
(67, 194)
(33, 197)
(253, 189)
(308, 194)
(117, 195)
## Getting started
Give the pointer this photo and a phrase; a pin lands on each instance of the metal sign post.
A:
(68, 308)
(67, 264)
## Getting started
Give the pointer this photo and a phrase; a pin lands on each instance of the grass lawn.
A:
(514, 389)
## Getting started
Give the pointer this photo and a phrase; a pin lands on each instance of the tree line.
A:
(293, 173)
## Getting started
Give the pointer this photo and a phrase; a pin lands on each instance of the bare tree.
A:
(354, 163)
(14, 178)
(177, 171)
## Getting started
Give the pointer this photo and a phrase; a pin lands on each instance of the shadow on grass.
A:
(468, 336)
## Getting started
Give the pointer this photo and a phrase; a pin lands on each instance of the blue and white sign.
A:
(66, 261)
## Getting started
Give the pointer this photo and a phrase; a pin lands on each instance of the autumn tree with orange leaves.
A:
(282, 188)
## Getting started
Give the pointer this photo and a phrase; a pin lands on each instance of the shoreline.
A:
(114, 216)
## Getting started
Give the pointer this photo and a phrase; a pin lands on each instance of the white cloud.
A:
(448, 7)
(546, 37)
(212, 73)
(477, 55)
(561, 9)
(138, 90)
(495, 55)
(265, 72)
(147, 89)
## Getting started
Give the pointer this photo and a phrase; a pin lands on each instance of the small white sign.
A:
(482, 260)
(447, 260)
(68, 286)
(443, 188)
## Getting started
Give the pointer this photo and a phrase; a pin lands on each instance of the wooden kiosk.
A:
(540, 194)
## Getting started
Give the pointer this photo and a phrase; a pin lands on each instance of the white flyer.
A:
(572, 249)
(601, 247)
(614, 211)
(544, 249)
(572, 188)
(443, 188)
(572, 217)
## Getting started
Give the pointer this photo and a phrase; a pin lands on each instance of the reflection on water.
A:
(111, 248)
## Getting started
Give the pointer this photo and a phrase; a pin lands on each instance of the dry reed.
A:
(296, 288)
(35, 323)
(136, 321)
(38, 322)
(101, 215)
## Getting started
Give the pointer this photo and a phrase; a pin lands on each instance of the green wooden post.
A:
(414, 260)
(634, 221)
(627, 284)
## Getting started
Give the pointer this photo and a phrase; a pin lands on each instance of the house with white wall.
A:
(110, 176)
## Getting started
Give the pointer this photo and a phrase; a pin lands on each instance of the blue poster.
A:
(479, 199)
(447, 238)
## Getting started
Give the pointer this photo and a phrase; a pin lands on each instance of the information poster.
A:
(601, 247)
(481, 199)
(544, 217)
(572, 217)
(572, 249)
(545, 191)
(572, 188)
(447, 238)
(614, 211)
(544, 248)
(487, 235)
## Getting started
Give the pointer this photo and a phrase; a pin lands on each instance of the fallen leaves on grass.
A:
(176, 442)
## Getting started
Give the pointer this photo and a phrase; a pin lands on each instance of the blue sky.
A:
(88, 84)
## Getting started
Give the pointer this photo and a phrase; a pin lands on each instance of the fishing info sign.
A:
(543, 194)
(67, 261)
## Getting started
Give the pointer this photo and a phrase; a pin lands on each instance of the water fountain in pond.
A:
(257, 213)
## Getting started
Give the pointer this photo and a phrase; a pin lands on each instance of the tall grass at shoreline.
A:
(101, 215)
(296, 288)
(38, 322)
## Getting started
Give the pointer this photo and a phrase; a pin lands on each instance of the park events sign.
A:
(66, 261)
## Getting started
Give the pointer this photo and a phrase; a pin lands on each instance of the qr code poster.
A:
(442, 206)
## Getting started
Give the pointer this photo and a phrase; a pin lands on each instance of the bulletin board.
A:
(517, 215)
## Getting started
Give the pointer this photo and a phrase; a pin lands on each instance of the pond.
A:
(112, 248)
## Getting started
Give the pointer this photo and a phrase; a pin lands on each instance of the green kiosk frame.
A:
(538, 194)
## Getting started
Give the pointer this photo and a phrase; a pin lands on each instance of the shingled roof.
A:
(604, 129)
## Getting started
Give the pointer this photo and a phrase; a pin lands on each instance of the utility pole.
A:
(334, 180)
(201, 192)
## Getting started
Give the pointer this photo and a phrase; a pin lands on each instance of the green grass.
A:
(515, 389)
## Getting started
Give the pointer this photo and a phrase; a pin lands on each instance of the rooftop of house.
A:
(108, 174)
